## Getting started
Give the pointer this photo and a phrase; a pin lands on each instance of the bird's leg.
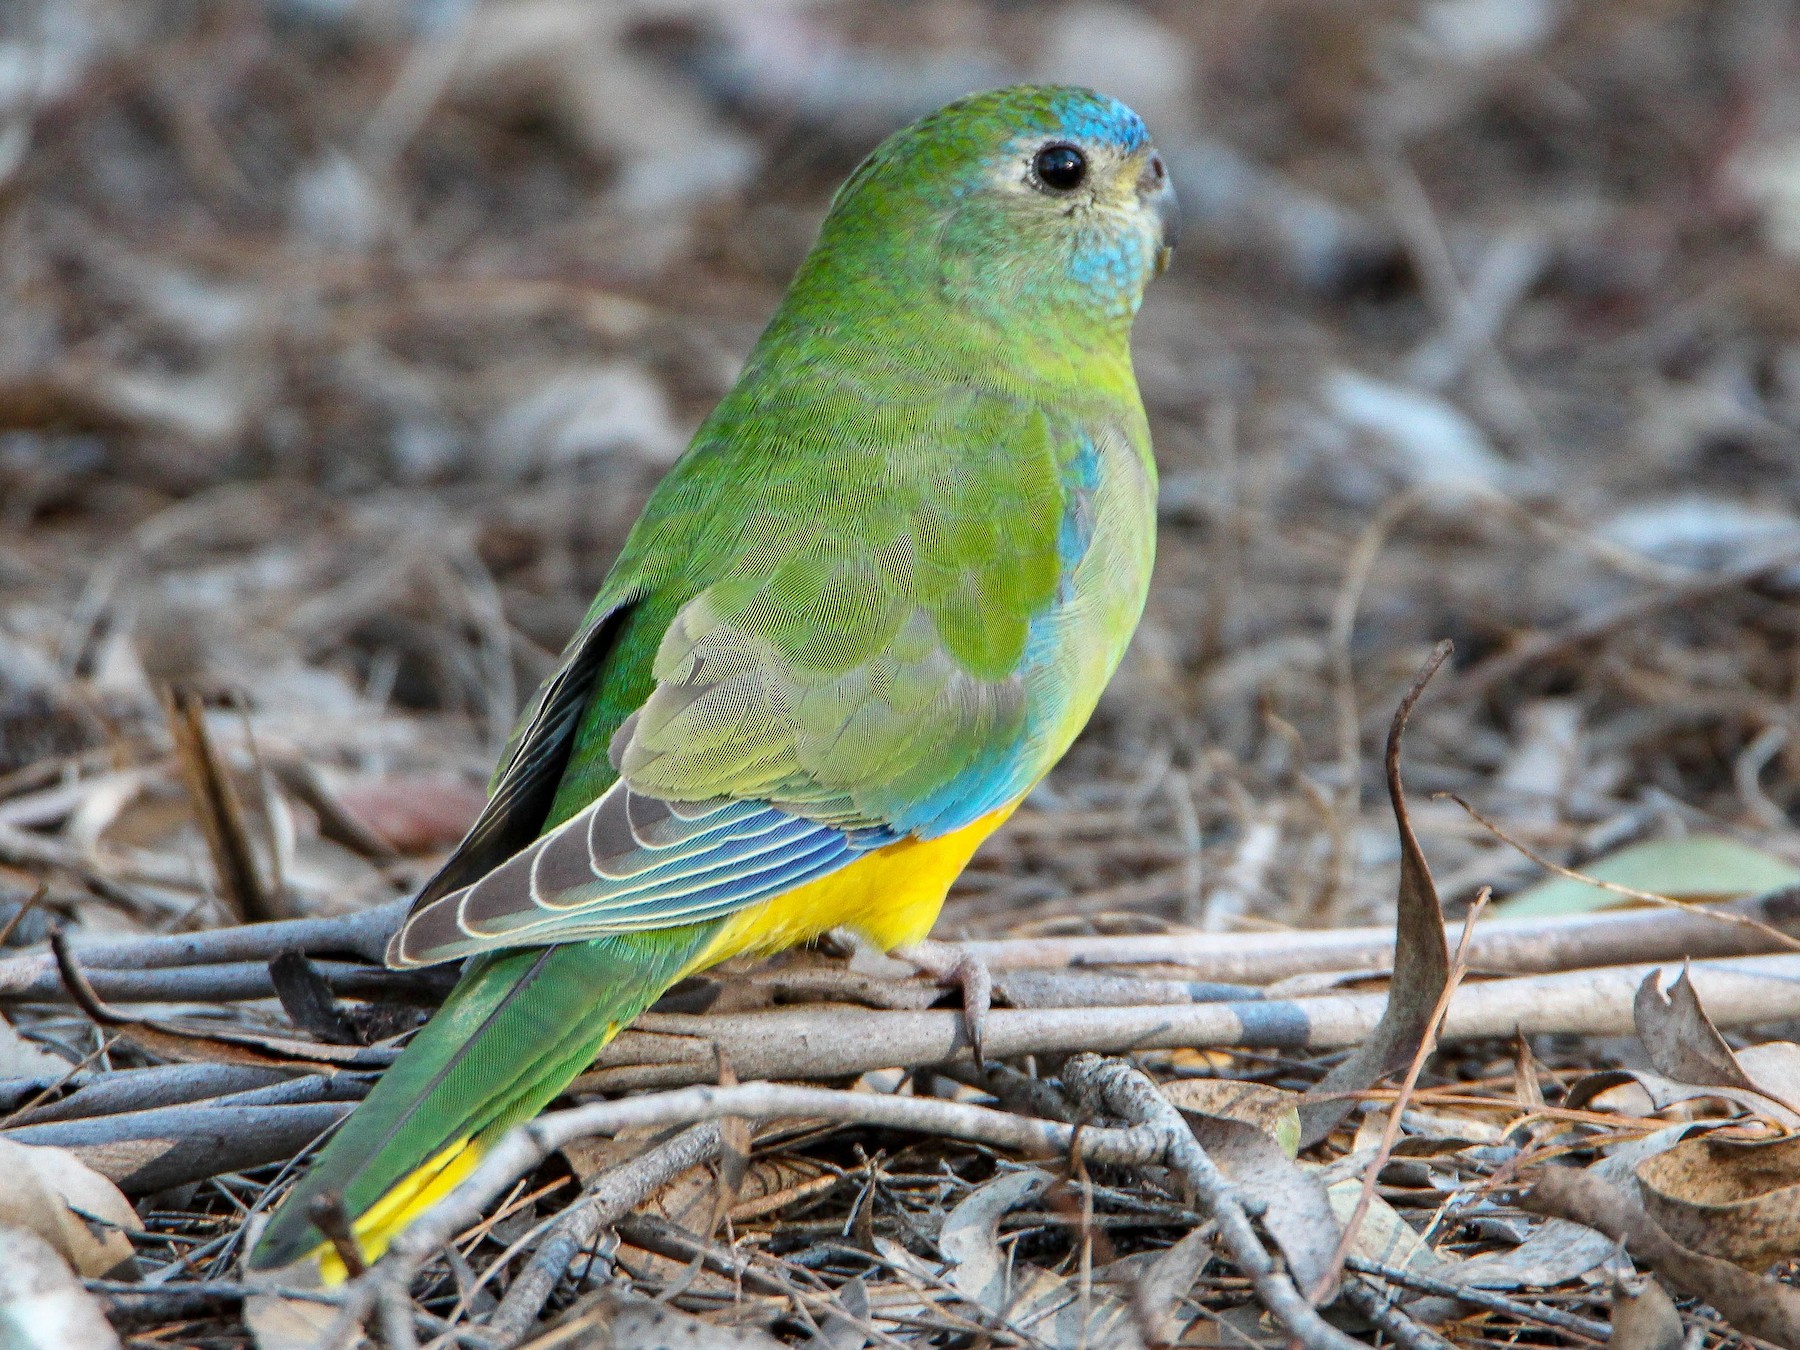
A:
(949, 964)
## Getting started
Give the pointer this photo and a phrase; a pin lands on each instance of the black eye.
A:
(1060, 167)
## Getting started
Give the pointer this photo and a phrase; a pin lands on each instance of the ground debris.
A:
(339, 346)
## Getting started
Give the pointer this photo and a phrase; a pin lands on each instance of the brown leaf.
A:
(1735, 1200)
(1270, 1109)
(1298, 1213)
(1643, 1316)
(1680, 1038)
(45, 1186)
(1659, 1094)
(1421, 954)
(1754, 1304)
(42, 1305)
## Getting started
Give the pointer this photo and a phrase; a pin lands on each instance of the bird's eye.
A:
(1060, 167)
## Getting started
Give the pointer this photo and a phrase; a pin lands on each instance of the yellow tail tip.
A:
(408, 1198)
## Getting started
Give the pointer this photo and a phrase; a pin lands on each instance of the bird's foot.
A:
(949, 964)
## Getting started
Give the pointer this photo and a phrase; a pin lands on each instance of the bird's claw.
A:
(952, 965)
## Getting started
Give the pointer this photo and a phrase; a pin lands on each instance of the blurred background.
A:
(341, 341)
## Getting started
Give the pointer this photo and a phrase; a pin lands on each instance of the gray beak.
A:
(1158, 193)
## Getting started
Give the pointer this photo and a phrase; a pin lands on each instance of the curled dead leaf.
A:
(1637, 1092)
(1680, 1038)
(1421, 953)
(1738, 1201)
(1759, 1305)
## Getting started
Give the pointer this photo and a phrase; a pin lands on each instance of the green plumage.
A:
(877, 597)
(515, 1030)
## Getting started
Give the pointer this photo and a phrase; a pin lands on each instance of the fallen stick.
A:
(147, 1151)
(108, 1092)
(364, 934)
(125, 1091)
(148, 1304)
(1510, 946)
(1488, 1299)
(669, 1049)
(1401, 1329)
(1513, 946)
(1127, 1094)
(840, 1042)
(231, 981)
(384, 1290)
(609, 1197)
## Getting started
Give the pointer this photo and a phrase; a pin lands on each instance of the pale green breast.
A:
(1110, 536)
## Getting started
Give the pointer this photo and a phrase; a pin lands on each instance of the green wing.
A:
(841, 666)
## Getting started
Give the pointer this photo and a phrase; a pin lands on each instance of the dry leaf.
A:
(1643, 1316)
(1298, 1214)
(19, 1058)
(970, 1239)
(1761, 1306)
(774, 1183)
(1734, 1200)
(277, 1323)
(42, 1305)
(1383, 1236)
(44, 1189)
(617, 1319)
(1558, 1250)
(1637, 1092)
(1680, 1038)
(1421, 954)
(1774, 1068)
(1270, 1109)
(1046, 1307)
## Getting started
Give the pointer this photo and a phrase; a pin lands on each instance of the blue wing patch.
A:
(630, 863)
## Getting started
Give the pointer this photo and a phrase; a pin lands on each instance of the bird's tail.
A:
(518, 1027)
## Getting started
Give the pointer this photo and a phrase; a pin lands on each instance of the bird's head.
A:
(1023, 200)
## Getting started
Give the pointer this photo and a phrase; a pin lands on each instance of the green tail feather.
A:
(514, 1032)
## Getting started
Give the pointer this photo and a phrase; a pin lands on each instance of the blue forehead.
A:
(1083, 115)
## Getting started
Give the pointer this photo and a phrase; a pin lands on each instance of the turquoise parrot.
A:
(866, 611)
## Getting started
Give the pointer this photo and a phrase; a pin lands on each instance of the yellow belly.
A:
(892, 897)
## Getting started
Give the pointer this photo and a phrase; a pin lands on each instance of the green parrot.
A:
(862, 616)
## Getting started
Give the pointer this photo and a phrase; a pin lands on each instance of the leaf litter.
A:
(337, 353)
